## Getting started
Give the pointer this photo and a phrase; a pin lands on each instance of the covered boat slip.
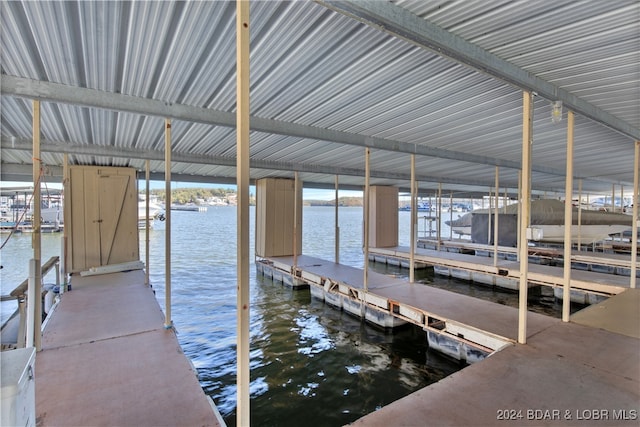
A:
(550, 381)
(494, 320)
(107, 359)
(591, 281)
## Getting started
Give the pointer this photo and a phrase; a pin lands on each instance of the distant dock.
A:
(592, 277)
(189, 208)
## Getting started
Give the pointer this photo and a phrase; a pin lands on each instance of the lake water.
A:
(308, 361)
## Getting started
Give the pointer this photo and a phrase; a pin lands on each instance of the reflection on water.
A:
(310, 360)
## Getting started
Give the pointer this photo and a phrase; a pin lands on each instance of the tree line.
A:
(193, 195)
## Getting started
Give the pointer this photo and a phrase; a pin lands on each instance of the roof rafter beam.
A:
(55, 92)
(401, 23)
(121, 152)
(15, 172)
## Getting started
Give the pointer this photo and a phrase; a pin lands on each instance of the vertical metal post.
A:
(168, 322)
(527, 141)
(489, 225)
(243, 176)
(58, 274)
(519, 198)
(568, 222)
(450, 215)
(31, 304)
(22, 325)
(367, 198)
(439, 215)
(621, 205)
(296, 188)
(147, 172)
(580, 214)
(36, 241)
(634, 228)
(613, 198)
(505, 200)
(66, 215)
(495, 220)
(412, 242)
(337, 227)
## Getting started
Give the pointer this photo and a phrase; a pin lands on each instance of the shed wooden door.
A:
(104, 223)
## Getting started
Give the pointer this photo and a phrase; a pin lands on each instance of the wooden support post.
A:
(568, 221)
(147, 172)
(36, 237)
(527, 142)
(168, 322)
(243, 176)
(634, 228)
(367, 198)
(337, 227)
(412, 242)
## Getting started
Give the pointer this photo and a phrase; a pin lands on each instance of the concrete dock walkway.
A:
(107, 360)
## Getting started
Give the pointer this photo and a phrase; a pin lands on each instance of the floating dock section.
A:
(587, 286)
(585, 372)
(107, 359)
(460, 326)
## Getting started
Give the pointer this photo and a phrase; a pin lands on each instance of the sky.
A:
(307, 193)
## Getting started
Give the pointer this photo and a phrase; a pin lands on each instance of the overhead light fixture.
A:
(556, 112)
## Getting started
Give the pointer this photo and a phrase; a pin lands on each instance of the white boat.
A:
(420, 207)
(547, 222)
(155, 212)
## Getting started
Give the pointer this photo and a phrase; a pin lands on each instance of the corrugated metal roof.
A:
(324, 71)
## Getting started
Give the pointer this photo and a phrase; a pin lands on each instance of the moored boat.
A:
(547, 222)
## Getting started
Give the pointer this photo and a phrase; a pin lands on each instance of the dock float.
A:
(460, 326)
(107, 359)
(585, 372)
